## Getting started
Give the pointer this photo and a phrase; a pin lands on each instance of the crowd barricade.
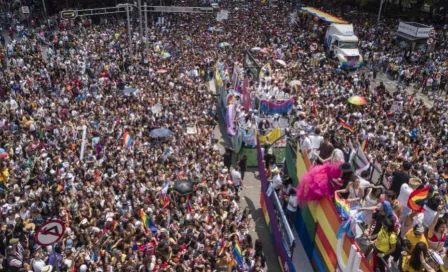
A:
(317, 223)
(280, 232)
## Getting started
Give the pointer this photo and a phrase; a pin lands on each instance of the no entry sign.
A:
(50, 232)
(313, 46)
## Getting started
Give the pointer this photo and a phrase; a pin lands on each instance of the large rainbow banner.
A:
(271, 107)
(317, 223)
(326, 17)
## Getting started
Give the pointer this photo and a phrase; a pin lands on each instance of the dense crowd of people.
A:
(72, 75)
(403, 138)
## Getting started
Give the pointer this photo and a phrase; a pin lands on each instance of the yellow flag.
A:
(266, 71)
(271, 137)
(218, 78)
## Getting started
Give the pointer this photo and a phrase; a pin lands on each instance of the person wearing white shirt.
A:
(276, 179)
(291, 208)
(236, 177)
(315, 140)
(305, 143)
(405, 191)
(37, 263)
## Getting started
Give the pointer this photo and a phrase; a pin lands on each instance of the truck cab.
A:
(342, 42)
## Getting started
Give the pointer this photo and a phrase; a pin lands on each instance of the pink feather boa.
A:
(315, 183)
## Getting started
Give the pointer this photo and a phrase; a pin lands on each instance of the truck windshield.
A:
(348, 45)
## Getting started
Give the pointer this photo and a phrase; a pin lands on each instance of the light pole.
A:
(140, 17)
(129, 29)
(379, 13)
(146, 28)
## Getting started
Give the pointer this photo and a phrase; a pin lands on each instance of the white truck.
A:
(341, 39)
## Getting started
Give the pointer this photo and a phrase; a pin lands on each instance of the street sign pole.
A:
(140, 18)
(53, 251)
(45, 9)
(83, 144)
(129, 30)
(49, 234)
(146, 29)
(379, 14)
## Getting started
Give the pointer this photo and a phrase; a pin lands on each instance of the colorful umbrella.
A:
(223, 44)
(165, 55)
(357, 100)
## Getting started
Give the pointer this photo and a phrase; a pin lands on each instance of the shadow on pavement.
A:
(264, 235)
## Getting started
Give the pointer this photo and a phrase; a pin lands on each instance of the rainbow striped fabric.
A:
(116, 226)
(237, 253)
(365, 144)
(342, 206)
(147, 223)
(324, 16)
(417, 199)
(346, 126)
(127, 140)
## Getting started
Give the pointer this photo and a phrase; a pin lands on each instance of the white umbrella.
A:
(255, 49)
(295, 82)
(281, 62)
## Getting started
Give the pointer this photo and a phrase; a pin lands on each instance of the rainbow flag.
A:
(342, 206)
(237, 253)
(365, 144)
(221, 247)
(232, 265)
(147, 222)
(127, 140)
(3, 182)
(165, 201)
(346, 126)
(116, 226)
(417, 199)
(266, 71)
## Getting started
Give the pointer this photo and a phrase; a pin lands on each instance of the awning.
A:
(326, 17)
(409, 37)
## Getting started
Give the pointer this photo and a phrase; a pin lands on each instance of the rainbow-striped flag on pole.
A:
(237, 253)
(148, 224)
(127, 140)
(346, 126)
(417, 199)
(342, 206)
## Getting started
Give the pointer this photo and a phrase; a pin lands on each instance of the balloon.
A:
(4, 155)
(2, 150)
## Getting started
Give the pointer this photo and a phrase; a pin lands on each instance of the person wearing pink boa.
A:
(321, 180)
